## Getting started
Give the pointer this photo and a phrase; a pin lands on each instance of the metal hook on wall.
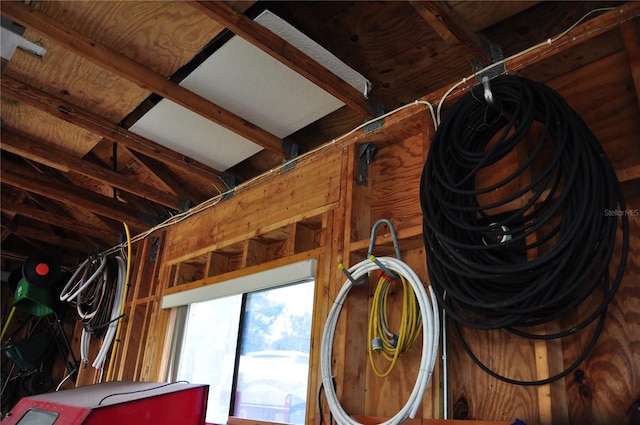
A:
(488, 95)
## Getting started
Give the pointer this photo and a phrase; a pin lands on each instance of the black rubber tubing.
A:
(521, 283)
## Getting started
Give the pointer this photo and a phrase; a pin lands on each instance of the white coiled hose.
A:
(66, 294)
(115, 314)
(430, 331)
(85, 338)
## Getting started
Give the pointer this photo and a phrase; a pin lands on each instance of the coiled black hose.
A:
(546, 244)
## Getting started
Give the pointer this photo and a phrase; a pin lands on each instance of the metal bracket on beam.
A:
(377, 109)
(365, 156)
(184, 204)
(230, 182)
(150, 219)
(494, 51)
(485, 74)
(153, 254)
(293, 149)
(12, 39)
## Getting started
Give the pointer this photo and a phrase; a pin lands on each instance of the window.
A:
(208, 351)
(253, 351)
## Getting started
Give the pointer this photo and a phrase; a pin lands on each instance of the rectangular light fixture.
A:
(253, 85)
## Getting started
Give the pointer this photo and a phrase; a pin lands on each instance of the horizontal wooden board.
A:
(252, 209)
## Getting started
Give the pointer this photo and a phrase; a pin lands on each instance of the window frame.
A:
(272, 278)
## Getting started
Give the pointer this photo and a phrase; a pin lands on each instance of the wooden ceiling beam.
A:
(139, 74)
(47, 217)
(31, 181)
(65, 111)
(579, 34)
(450, 27)
(60, 242)
(100, 224)
(42, 153)
(630, 32)
(48, 204)
(168, 178)
(5, 233)
(10, 228)
(285, 53)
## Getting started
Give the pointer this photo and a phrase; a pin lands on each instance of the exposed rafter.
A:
(31, 234)
(28, 180)
(58, 108)
(139, 74)
(167, 178)
(71, 167)
(579, 34)
(450, 27)
(48, 217)
(630, 32)
(41, 152)
(284, 52)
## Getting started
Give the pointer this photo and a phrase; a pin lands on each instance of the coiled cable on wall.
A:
(391, 344)
(430, 333)
(114, 316)
(79, 281)
(547, 244)
(96, 290)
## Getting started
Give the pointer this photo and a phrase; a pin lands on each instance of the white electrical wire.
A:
(115, 314)
(85, 340)
(79, 305)
(445, 364)
(69, 293)
(71, 284)
(430, 331)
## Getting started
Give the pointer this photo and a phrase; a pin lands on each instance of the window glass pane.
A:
(274, 361)
(208, 354)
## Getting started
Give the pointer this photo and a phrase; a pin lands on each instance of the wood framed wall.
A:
(317, 209)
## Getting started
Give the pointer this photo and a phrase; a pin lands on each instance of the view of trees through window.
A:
(271, 344)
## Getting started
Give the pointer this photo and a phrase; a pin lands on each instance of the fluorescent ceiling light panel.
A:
(11, 39)
(181, 130)
(248, 82)
(297, 39)
(244, 80)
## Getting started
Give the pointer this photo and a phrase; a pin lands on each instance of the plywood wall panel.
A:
(603, 95)
(604, 388)
(486, 397)
(395, 174)
(77, 81)
(41, 126)
(161, 34)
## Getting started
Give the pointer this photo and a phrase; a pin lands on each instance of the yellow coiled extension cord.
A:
(383, 341)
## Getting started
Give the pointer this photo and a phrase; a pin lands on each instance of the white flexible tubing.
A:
(115, 313)
(430, 331)
(89, 316)
(445, 364)
(64, 296)
(85, 339)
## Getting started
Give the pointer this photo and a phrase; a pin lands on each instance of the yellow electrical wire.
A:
(410, 325)
(6, 324)
(124, 300)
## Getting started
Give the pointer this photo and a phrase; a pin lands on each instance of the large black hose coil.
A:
(546, 244)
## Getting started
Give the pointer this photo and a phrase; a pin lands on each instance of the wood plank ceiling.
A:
(71, 168)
